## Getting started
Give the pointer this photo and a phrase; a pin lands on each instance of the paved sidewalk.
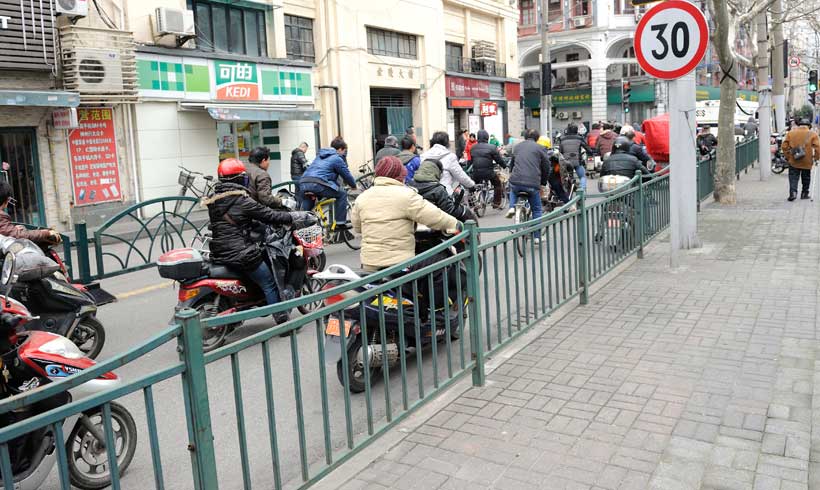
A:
(701, 377)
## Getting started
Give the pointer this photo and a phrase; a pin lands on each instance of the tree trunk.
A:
(725, 167)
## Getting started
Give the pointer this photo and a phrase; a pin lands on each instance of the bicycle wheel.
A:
(522, 215)
(481, 204)
(351, 239)
(182, 192)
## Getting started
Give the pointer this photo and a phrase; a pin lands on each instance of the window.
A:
(226, 28)
(572, 73)
(527, 13)
(624, 7)
(454, 56)
(388, 43)
(632, 69)
(299, 38)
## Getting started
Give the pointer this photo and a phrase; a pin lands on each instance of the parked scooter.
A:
(60, 306)
(216, 290)
(446, 305)
(32, 359)
(779, 162)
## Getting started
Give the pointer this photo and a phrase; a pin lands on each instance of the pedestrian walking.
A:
(470, 143)
(801, 147)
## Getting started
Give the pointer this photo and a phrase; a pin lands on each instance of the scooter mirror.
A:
(7, 272)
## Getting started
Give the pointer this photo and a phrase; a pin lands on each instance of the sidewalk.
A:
(702, 377)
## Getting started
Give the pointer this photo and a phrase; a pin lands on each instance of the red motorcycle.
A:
(31, 359)
(216, 290)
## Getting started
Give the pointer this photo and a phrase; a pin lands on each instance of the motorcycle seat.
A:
(216, 271)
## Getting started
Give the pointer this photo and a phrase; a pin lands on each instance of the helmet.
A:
(545, 142)
(229, 168)
(622, 144)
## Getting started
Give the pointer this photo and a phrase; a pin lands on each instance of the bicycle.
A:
(187, 181)
(366, 177)
(523, 213)
(323, 208)
(483, 195)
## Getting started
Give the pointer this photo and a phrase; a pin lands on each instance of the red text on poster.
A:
(93, 150)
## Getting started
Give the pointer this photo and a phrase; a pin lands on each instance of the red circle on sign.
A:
(700, 20)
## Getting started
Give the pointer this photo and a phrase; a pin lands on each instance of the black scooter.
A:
(58, 305)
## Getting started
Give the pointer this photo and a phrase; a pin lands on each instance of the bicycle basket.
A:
(186, 179)
(310, 238)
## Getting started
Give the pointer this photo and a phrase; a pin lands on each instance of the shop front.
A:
(197, 111)
(475, 104)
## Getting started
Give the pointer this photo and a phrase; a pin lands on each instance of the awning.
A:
(41, 98)
(260, 113)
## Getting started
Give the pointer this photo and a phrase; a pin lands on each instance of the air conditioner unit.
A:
(174, 21)
(577, 115)
(579, 21)
(98, 71)
(75, 8)
(563, 115)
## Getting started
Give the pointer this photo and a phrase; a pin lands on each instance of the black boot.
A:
(804, 195)
(792, 196)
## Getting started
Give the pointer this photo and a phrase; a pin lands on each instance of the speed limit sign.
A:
(671, 39)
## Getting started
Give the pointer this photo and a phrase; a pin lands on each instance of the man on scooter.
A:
(232, 215)
(9, 229)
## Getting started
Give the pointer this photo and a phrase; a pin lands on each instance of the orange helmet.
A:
(230, 167)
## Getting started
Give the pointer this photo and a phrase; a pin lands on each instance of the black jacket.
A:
(570, 147)
(623, 164)
(461, 144)
(530, 164)
(232, 213)
(483, 155)
(298, 162)
(437, 194)
(639, 152)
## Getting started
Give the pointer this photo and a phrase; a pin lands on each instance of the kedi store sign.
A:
(236, 80)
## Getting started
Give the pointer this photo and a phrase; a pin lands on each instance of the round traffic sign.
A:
(794, 61)
(671, 39)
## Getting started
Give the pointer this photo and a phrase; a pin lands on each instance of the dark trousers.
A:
(797, 174)
(498, 190)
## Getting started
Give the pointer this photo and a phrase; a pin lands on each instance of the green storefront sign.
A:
(640, 93)
(705, 92)
(583, 96)
(569, 98)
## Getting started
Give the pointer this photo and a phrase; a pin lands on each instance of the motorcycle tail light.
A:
(186, 294)
(336, 298)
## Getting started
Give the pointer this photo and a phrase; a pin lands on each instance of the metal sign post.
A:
(670, 41)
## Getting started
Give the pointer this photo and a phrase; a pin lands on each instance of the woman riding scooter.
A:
(232, 215)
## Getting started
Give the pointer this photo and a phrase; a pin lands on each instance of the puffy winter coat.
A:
(605, 142)
(570, 147)
(386, 215)
(298, 162)
(326, 168)
(623, 164)
(484, 155)
(452, 173)
(530, 164)
(411, 162)
(232, 213)
(426, 181)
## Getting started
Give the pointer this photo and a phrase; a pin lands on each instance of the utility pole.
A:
(778, 92)
(764, 95)
(546, 71)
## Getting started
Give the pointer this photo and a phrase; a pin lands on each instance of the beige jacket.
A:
(386, 216)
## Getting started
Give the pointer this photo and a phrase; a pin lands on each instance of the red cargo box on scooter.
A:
(657, 138)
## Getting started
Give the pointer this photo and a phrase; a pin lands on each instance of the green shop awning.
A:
(640, 93)
(253, 113)
(39, 98)
(705, 92)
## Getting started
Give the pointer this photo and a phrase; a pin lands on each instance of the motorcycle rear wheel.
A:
(212, 338)
(310, 286)
(89, 336)
(355, 369)
(83, 447)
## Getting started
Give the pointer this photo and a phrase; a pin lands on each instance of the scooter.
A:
(60, 306)
(32, 359)
(446, 305)
(216, 290)
(779, 162)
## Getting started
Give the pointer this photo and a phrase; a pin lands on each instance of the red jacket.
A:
(467, 149)
(592, 138)
(639, 138)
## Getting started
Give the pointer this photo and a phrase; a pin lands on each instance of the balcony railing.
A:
(476, 66)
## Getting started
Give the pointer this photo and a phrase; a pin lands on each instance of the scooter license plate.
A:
(333, 327)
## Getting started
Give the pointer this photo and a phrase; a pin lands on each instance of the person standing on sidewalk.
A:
(801, 147)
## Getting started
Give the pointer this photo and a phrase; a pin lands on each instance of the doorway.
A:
(18, 147)
(391, 113)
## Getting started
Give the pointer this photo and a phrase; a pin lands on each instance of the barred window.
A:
(299, 38)
(230, 29)
(388, 43)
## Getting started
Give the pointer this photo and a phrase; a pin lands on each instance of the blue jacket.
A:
(327, 168)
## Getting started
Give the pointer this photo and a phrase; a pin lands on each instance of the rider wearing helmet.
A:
(233, 213)
(621, 162)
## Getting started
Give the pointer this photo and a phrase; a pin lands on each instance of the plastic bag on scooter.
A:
(30, 263)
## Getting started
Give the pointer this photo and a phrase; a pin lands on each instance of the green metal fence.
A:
(746, 154)
(500, 285)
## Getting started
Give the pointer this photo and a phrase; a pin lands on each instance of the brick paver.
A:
(701, 377)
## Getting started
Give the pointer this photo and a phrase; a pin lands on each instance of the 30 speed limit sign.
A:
(671, 39)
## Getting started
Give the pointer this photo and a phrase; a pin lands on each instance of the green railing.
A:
(499, 286)
(746, 154)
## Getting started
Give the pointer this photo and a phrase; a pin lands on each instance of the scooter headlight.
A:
(63, 347)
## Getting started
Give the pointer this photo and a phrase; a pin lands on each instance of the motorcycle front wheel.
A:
(778, 168)
(87, 457)
(89, 336)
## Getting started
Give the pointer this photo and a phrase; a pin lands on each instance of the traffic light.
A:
(626, 93)
(812, 81)
(812, 98)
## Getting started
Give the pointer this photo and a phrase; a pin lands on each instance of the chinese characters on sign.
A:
(468, 88)
(236, 80)
(94, 165)
(489, 109)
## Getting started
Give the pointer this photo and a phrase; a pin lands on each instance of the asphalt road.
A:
(146, 305)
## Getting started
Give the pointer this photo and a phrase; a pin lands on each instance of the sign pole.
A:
(683, 219)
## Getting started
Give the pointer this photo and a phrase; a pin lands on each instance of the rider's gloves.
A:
(303, 219)
(55, 237)
(455, 231)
